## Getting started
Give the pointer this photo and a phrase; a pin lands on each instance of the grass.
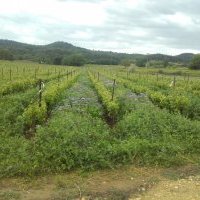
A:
(10, 195)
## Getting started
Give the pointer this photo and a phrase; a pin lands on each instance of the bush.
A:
(6, 55)
(195, 64)
(141, 62)
(126, 63)
(34, 115)
(74, 60)
(155, 125)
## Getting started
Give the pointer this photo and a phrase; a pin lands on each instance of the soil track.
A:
(120, 184)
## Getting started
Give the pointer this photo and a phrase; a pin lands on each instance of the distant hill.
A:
(185, 57)
(48, 53)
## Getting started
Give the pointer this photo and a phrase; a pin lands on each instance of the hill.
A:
(60, 50)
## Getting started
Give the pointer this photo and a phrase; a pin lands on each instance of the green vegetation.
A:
(154, 122)
(59, 53)
(74, 60)
(141, 62)
(126, 62)
(195, 62)
(111, 105)
(36, 114)
(5, 55)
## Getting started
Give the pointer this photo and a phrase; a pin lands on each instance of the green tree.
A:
(195, 64)
(57, 61)
(74, 60)
(5, 55)
(125, 63)
(165, 63)
(141, 62)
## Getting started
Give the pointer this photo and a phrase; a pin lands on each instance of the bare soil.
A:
(125, 183)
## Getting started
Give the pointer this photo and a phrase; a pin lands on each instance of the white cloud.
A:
(180, 19)
(73, 12)
(119, 25)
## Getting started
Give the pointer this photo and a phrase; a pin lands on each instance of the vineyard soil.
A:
(125, 183)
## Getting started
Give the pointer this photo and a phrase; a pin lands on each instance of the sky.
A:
(129, 26)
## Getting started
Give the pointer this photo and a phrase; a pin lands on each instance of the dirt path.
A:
(126, 183)
(187, 189)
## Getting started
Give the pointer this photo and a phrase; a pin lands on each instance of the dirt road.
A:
(126, 183)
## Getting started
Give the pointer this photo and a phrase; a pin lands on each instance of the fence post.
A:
(40, 93)
(2, 73)
(10, 74)
(113, 90)
(174, 82)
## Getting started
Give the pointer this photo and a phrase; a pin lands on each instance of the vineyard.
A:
(57, 118)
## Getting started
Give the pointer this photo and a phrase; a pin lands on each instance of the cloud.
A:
(90, 1)
(125, 25)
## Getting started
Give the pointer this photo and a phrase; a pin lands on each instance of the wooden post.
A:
(113, 90)
(2, 73)
(40, 93)
(10, 74)
(174, 82)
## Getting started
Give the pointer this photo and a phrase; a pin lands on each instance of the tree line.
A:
(62, 53)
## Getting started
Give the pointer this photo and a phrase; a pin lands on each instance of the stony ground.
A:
(187, 189)
(126, 183)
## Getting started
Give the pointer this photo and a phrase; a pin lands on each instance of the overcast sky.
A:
(132, 26)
